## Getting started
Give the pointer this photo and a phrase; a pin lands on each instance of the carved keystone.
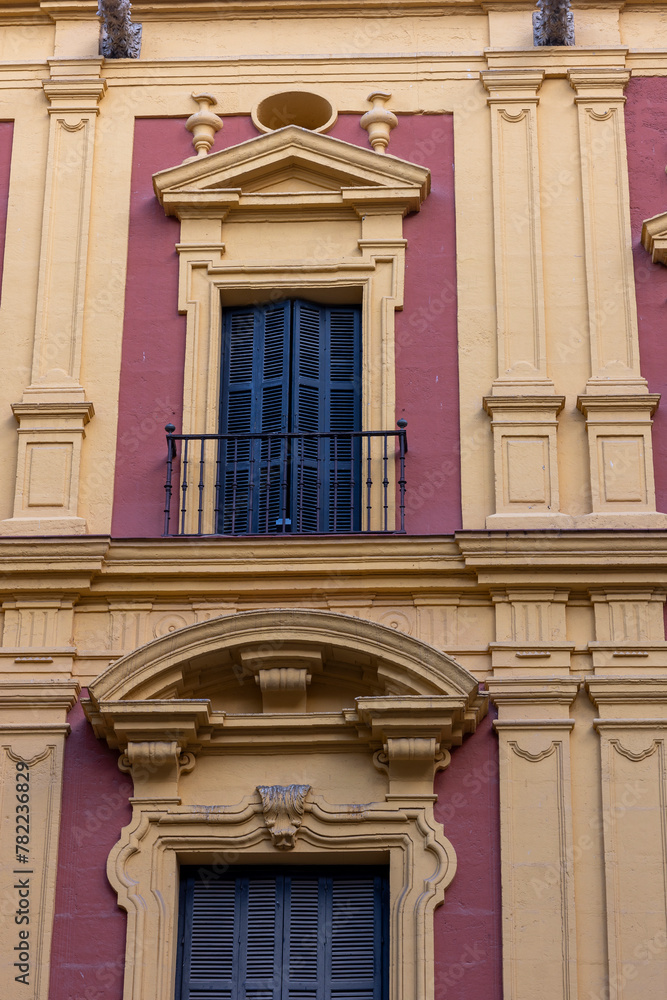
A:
(283, 675)
(283, 809)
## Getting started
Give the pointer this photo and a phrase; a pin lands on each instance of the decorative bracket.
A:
(283, 809)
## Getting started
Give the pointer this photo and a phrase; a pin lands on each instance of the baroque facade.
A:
(257, 630)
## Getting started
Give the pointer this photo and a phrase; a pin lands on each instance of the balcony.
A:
(298, 483)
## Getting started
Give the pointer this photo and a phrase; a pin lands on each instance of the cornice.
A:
(47, 695)
(616, 691)
(463, 564)
(593, 403)
(51, 408)
(533, 690)
(550, 404)
(559, 60)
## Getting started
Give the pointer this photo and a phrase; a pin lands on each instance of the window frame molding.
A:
(143, 869)
(429, 703)
(370, 192)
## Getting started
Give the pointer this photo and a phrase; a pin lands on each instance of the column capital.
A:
(511, 85)
(629, 701)
(76, 94)
(29, 705)
(603, 84)
(536, 702)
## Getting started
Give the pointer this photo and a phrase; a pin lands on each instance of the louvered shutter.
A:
(209, 918)
(284, 934)
(254, 400)
(326, 397)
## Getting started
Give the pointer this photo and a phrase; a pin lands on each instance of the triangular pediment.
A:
(281, 165)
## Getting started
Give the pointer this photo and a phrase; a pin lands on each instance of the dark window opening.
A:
(266, 933)
(291, 376)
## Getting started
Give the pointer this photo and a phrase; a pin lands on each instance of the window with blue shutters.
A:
(290, 402)
(283, 934)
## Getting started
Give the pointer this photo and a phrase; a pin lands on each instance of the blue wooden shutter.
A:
(254, 400)
(272, 934)
(326, 391)
(208, 934)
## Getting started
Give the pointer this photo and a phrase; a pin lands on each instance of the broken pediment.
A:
(292, 167)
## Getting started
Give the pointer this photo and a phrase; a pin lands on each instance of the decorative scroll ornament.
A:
(283, 809)
(203, 124)
(151, 755)
(379, 121)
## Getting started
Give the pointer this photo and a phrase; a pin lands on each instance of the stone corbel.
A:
(283, 675)
(159, 740)
(415, 734)
(283, 808)
(156, 766)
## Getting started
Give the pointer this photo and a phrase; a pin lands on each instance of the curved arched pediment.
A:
(348, 781)
(186, 662)
(368, 681)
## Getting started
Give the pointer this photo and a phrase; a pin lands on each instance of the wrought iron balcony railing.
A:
(331, 483)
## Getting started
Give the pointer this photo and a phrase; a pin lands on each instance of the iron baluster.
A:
(171, 455)
(385, 483)
(184, 481)
(200, 510)
(369, 483)
(402, 448)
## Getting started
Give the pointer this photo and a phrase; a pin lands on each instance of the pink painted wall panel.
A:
(89, 928)
(6, 140)
(468, 925)
(154, 334)
(645, 113)
(88, 951)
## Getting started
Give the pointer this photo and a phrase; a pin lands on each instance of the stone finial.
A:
(283, 809)
(379, 121)
(203, 124)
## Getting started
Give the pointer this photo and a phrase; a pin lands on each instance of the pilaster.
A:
(53, 413)
(522, 404)
(632, 725)
(32, 736)
(539, 939)
(616, 402)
